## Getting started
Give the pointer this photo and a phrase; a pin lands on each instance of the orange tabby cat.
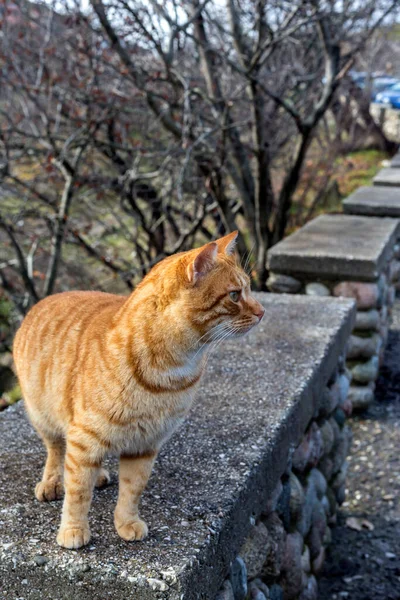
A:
(108, 374)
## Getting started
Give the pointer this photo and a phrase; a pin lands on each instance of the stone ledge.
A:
(389, 176)
(337, 247)
(376, 201)
(395, 162)
(210, 480)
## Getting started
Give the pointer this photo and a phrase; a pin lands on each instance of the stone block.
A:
(388, 176)
(374, 201)
(336, 248)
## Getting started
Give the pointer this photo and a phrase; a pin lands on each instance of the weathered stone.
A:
(157, 585)
(332, 502)
(391, 295)
(256, 593)
(383, 288)
(384, 332)
(283, 284)
(309, 451)
(272, 503)
(341, 450)
(336, 248)
(262, 587)
(340, 478)
(238, 578)
(292, 570)
(318, 562)
(327, 537)
(383, 316)
(336, 429)
(340, 494)
(276, 592)
(319, 482)
(306, 560)
(283, 506)
(226, 593)
(41, 560)
(276, 550)
(328, 437)
(314, 542)
(363, 347)
(296, 498)
(334, 391)
(389, 176)
(361, 397)
(310, 592)
(366, 295)
(318, 529)
(317, 289)
(366, 371)
(396, 247)
(342, 364)
(344, 384)
(394, 270)
(310, 499)
(326, 506)
(340, 416)
(255, 549)
(326, 467)
(367, 320)
(329, 399)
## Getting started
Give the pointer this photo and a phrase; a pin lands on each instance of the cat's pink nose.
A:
(260, 312)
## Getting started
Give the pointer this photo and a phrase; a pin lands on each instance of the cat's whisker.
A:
(226, 335)
(249, 255)
(208, 333)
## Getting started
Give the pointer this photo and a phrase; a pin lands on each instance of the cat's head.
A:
(217, 296)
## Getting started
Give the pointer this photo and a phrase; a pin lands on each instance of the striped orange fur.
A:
(107, 374)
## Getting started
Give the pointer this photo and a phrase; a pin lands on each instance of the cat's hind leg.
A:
(51, 487)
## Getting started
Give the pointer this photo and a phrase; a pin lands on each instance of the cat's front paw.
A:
(73, 536)
(47, 491)
(132, 530)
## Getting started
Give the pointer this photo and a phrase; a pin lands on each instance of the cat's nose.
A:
(259, 312)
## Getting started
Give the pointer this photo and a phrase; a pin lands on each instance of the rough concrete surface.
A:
(374, 201)
(365, 565)
(389, 176)
(336, 247)
(210, 479)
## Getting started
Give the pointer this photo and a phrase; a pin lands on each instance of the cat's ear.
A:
(227, 243)
(203, 263)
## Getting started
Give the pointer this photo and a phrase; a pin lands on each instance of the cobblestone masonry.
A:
(285, 549)
(374, 298)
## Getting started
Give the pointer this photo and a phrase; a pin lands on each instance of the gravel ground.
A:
(365, 564)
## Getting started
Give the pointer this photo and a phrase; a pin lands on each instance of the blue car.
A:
(390, 96)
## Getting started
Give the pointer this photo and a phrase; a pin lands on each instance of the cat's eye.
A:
(234, 296)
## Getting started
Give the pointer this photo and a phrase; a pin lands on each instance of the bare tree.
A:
(267, 72)
(160, 123)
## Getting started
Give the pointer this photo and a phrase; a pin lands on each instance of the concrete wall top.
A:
(337, 247)
(376, 201)
(258, 396)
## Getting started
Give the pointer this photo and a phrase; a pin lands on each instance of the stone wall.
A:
(249, 469)
(285, 549)
(374, 299)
